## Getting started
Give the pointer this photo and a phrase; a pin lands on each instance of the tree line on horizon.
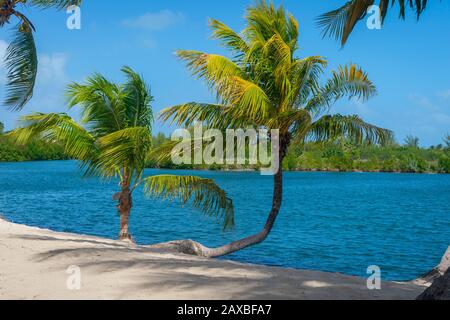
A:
(338, 156)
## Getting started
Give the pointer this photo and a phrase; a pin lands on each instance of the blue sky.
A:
(408, 61)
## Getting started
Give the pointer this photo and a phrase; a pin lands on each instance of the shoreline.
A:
(257, 170)
(34, 264)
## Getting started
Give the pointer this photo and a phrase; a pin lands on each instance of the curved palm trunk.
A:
(195, 248)
(439, 290)
(440, 279)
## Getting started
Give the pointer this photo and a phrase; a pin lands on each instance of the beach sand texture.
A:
(34, 264)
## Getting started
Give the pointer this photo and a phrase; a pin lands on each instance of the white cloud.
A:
(426, 116)
(50, 82)
(444, 94)
(155, 20)
(52, 67)
(422, 101)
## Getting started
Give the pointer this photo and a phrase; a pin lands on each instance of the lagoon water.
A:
(339, 222)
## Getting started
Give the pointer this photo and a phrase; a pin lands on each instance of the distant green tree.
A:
(2, 128)
(444, 164)
(447, 141)
(159, 140)
(412, 142)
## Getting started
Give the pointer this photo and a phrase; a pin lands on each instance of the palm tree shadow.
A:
(152, 272)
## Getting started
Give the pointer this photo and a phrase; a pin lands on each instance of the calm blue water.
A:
(341, 222)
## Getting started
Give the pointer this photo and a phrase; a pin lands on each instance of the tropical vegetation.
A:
(113, 140)
(265, 85)
(21, 60)
(340, 155)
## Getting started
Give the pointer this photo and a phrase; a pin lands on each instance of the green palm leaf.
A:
(102, 104)
(339, 23)
(228, 37)
(210, 67)
(331, 127)
(138, 99)
(78, 143)
(21, 64)
(58, 4)
(348, 81)
(128, 148)
(203, 194)
(217, 116)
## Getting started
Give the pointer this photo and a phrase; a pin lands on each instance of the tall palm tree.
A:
(447, 141)
(340, 23)
(21, 59)
(412, 142)
(113, 139)
(265, 85)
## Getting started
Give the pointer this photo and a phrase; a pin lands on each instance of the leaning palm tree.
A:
(265, 85)
(340, 23)
(114, 139)
(21, 59)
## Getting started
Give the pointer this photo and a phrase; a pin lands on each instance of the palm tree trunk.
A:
(439, 290)
(195, 248)
(124, 207)
(440, 279)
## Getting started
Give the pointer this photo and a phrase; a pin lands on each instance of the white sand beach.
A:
(33, 265)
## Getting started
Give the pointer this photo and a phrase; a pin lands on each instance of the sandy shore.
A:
(34, 262)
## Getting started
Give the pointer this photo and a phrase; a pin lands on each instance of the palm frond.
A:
(125, 148)
(339, 23)
(305, 75)
(203, 194)
(58, 4)
(290, 121)
(137, 99)
(21, 64)
(276, 50)
(210, 67)
(102, 104)
(348, 81)
(214, 115)
(57, 127)
(248, 99)
(331, 127)
(264, 20)
(229, 38)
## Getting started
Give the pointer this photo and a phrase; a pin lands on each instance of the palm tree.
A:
(340, 23)
(412, 142)
(440, 278)
(21, 59)
(113, 139)
(447, 141)
(266, 86)
(439, 289)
